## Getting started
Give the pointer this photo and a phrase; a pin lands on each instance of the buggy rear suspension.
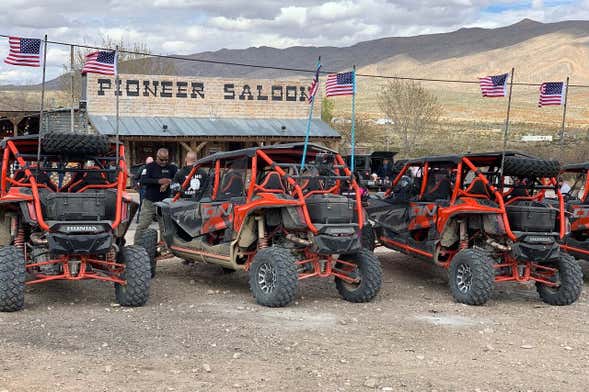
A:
(78, 269)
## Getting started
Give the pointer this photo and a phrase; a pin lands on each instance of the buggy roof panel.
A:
(276, 148)
(472, 156)
(576, 167)
(28, 144)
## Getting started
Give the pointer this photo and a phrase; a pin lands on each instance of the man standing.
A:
(157, 179)
(197, 182)
(137, 183)
(386, 170)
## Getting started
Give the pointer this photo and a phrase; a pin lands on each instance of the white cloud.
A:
(189, 26)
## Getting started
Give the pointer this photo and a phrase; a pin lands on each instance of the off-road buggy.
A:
(260, 212)
(64, 217)
(577, 203)
(460, 213)
(367, 164)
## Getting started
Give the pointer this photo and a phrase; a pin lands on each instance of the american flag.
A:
(314, 85)
(494, 86)
(100, 62)
(551, 93)
(24, 51)
(339, 84)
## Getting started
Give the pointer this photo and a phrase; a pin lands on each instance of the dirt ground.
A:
(202, 331)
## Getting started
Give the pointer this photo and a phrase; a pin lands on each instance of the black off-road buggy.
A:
(64, 217)
(260, 212)
(577, 203)
(460, 213)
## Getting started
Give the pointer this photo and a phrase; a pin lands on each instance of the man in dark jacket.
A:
(157, 179)
(386, 170)
(197, 181)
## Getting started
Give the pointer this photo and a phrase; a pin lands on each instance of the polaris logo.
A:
(80, 229)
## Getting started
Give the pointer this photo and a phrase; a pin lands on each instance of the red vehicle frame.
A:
(577, 200)
(454, 218)
(22, 195)
(223, 217)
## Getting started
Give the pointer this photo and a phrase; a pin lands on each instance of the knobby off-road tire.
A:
(368, 271)
(472, 277)
(571, 283)
(368, 237)
(530, 167)
(12, 279)
(273, 277)
(74, 143)
(137, 274)
(149, 242)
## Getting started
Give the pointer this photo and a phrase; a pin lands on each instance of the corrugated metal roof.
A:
(195, 126)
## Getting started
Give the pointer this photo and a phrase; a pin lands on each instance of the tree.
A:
(411, 109)
(137, 62)
(327, 107)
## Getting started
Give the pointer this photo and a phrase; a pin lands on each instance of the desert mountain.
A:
(537, 50)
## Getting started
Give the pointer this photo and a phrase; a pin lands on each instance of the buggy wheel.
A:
(369, 273)
(472, 277)
(570, 279)
(74, 143)
(12, 279)
(149, 242)
(530, 167)
(137, 276)
(368, 238)
(273, 277)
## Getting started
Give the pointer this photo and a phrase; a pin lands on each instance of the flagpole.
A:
(507, 121)
(564, 113)
(353, 132)
(42, 103)
(72, 88)
(310, 118)
(117, 103)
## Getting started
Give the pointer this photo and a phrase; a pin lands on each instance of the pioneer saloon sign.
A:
(145, 95)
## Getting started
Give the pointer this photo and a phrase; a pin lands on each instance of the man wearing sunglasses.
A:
(157, 179)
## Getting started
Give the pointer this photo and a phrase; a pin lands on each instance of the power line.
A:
(290, 69)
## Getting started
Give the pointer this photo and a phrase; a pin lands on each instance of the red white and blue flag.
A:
(551, 94)
(24, 51)
(494, 86)
(101, 62)
(314, 85)
(340, 84)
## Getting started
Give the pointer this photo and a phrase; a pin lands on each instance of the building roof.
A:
(210, 127)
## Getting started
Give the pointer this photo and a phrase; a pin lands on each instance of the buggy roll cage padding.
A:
(10, 147)
(289, 179)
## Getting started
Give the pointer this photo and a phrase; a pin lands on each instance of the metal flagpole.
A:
(72, 81)
(507, 121)
(564, 113)
(42, 103)
(310, 116)
(353, 118)
(116, 63)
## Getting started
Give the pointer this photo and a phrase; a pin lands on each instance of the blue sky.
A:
(190, 26)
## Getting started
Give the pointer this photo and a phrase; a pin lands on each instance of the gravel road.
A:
(202, 331)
